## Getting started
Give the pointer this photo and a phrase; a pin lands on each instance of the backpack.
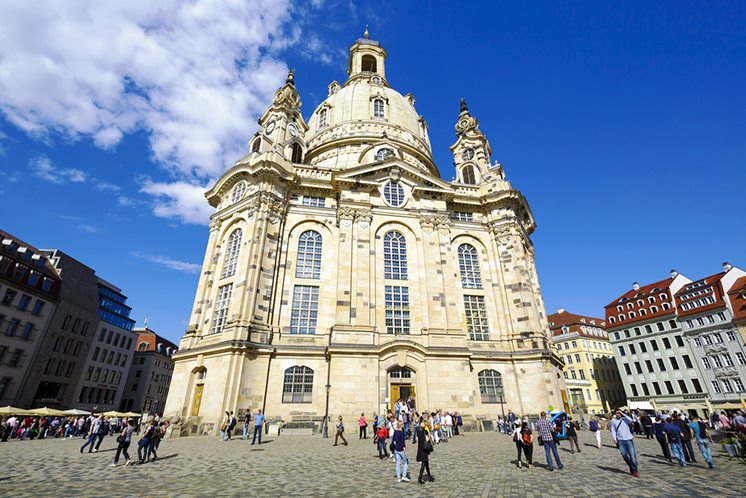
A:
(527, 438)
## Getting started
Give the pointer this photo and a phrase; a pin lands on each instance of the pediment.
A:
(376, 173)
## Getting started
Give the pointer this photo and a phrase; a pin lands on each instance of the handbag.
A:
(392, 446)
(120, 439)
(427, 447)
(541, 441)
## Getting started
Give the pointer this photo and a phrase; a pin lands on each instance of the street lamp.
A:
(326, 413)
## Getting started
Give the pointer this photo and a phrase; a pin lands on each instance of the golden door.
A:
(197, 399)
(403, 391)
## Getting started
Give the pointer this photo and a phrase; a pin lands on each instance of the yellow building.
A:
(591, 375)
(343, 272)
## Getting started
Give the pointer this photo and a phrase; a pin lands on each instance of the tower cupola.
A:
(367, 57)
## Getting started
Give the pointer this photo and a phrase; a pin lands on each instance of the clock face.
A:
(293, 130)
(468, 154)
(270, 128)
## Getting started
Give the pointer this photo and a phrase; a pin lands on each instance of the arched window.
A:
(368, 63)
(654, 309)
(666, 306)
(322, 118)
(612, 319)
(468, 176)
(394, 256)
(297, 157)
(468, 265)
(309, 255)
(378, 108)
(231, 254)
(385, 153)
(298, 385)
(143, 346)
(238, 191)
(400, 373)
(632, 314)
(490, 386)
(256, 145)
(643, 312)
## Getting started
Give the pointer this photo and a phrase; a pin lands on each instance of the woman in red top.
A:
(382, 434)
(363, 425)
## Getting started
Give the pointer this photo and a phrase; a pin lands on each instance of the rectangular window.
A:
(661, 327)
(4, 383)
(741, 358)
(661, 365)
(577, 358)
(12, 326)
(717, 360)
(476, 318)
(27, 330)
(645, 389)
(727, 387)
(582, 374)
(721, 316)
(706, 363)
(649, 365)
(666, 343)
(669, 387)
(15, 358)
(462, 216)
(632, 349)
(728, 360)
(305, 309)
(674, 363)
(697, 385)
(634, 390)
(643, 348)
(23, 302)
(698, 342)
(10, 295)
(656, 388)
(739, 384)
(717, 338)
(89, 373)
(687, 361)
(627, 369)
(397, 309)
(672, 324)
(109, 336)
(730, 335)
(716, 387)
(679, 341)
(654, 345)
(220, 315)
(621, 351)
(638, 367)
(648, 329)
(682, 386)
(314, 201)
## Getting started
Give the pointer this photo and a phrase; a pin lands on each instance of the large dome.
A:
(362, 116)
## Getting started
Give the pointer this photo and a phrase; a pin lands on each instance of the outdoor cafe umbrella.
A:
(75, 411)
(113, 413)
(12, 410)
(44, 412)
(131, 414)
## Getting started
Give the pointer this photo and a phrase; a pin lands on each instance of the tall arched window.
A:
(468, 176)
(309, 255)
(490, 386)
(394, 256)
(256, 145)
(298, 385)
(368, 63)
(322, 118)
(468, 264)
(378, 108)
(231, 254)
(297, 157)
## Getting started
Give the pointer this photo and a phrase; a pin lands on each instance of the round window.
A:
(385, 153)
(468, 154)
(238, 191)
(376, 80)
(394, 194)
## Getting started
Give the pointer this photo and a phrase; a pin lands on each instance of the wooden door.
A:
(197, 399)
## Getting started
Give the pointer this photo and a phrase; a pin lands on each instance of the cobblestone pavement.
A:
(477, 464)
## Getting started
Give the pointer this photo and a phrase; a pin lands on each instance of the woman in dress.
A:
(424, 448)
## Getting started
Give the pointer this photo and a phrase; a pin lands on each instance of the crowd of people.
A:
(35, 427)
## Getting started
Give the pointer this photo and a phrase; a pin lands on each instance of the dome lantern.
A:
(366, 57)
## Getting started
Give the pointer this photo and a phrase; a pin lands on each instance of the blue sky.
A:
(623, 125)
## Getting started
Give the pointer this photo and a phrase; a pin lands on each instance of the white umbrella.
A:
(75, 411)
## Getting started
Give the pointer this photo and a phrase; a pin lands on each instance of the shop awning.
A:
(640, 405)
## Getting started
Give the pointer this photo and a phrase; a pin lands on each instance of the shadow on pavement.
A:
(612, 469)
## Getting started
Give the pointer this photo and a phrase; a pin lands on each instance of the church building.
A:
(342, 272)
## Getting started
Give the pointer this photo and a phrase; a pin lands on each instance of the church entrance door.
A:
(197, 399)
(400, 391)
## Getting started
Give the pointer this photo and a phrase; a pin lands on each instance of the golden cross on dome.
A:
(366, 34)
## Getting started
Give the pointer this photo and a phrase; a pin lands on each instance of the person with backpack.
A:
(673, 434)
(704, 440)
(231, 426)
(595, 428)
(621, 432)
(686, 437)
(572, 435)
(527, 439)
(518, 440)
(660, 436)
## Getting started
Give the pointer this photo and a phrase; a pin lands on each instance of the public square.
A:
(477, 464)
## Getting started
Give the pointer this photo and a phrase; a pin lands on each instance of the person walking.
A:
(143, 444)
(546, 439)
(103, 431)
(572, 435)
(621, 433)
(258, 426)
(673, 434)
(93, 434)
(660, 436)
(123, 443)
(517, 439)
(703, 439)
(686, 437)
(647, 425)
(340, 432)
(399, 442)
(527, 439)
(381, 436)
(363, 426)
(595, 428)
(224, 427)
(246, 422)
(231, 425)
(424, 448)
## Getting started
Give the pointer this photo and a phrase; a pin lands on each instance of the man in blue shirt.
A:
(622, 434)
(258, 425)
(674, 434)
(699, 429)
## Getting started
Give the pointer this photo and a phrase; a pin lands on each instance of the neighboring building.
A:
(110, 355)
(29, 294)
(341, 267)
(706, 315)
(658, 368)
(593, 381)
(737, 296)
(150, 375)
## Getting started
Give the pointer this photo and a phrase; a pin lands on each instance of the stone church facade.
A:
(341, 271)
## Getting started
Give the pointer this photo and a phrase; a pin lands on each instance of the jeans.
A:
(363, 432)
(573, 440)
(382, 451)
(551, 446)
(688, 451)
(152, 446)
(678, 453)
(142, 449)
(406, 430)
(100, 440)
(705, 448)
(401, 456)
(519, 449)
(257, 430)
(91, 441)
(122, 448)
(627, 449)
(245, 431)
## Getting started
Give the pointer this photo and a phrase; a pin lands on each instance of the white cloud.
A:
(88, 228)
(43, 168)
(168, 262)
(182, 200)
(105, 186)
